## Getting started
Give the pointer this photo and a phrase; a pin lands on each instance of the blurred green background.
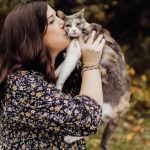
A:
(129, 23)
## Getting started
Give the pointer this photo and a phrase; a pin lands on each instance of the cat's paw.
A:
(106, 112)
(70, 139)
(59, 86)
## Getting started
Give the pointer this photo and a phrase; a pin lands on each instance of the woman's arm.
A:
(91, 79)
(92, 85)
(36, 103)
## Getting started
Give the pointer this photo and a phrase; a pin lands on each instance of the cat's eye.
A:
(78, 24)
(68, 25)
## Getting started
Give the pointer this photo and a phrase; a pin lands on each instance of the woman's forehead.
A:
(50, 11)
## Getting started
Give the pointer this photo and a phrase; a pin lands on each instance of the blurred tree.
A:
(127, 20)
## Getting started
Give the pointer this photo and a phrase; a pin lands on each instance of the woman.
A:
(34, 113)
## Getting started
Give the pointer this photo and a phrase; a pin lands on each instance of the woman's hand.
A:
(91, 50)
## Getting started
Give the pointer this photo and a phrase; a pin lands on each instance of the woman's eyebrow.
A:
(51, 15)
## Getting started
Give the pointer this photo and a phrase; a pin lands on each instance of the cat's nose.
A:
(73, 30)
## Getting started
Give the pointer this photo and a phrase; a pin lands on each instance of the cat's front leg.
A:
(58, 70)
(66, 69)
(73, 54)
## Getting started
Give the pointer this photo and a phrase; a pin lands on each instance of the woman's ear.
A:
(61, 14)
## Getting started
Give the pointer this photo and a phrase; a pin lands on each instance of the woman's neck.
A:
(53, 56)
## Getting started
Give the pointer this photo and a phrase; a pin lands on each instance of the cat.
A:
(115, 81)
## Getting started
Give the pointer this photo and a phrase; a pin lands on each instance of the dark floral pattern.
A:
(37, 116)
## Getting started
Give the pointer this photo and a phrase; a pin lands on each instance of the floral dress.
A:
(36, 115)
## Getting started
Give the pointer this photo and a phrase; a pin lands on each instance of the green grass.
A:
(131, 134)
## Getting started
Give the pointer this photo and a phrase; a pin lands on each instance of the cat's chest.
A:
(74, 49)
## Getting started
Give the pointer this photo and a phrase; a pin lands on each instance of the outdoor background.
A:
(128, 21)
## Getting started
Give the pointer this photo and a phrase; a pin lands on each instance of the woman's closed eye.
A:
(50, 21)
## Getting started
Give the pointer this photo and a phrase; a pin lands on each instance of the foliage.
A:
(131, 134)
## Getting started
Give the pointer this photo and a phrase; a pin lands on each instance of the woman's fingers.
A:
(98, 40)
(98, 44)
(92, 50)
(91, 38)
(101, 45)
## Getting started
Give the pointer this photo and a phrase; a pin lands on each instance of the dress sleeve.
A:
(37, 103)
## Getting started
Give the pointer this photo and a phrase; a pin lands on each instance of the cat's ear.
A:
(82, 12)
(61, 14)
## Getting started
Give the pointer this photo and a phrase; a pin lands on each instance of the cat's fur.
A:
(115, 80)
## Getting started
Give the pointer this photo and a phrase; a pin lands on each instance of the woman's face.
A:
(55, 36)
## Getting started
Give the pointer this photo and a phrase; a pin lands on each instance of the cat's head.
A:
(73, 24)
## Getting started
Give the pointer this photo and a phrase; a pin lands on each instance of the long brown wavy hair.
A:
(21, 41)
